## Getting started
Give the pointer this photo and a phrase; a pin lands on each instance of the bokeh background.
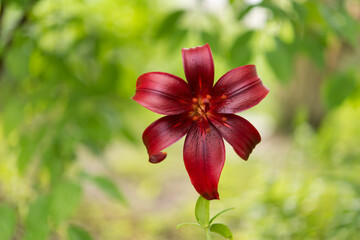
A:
(72, 164)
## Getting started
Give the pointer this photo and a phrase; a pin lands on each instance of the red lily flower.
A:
(202, 111)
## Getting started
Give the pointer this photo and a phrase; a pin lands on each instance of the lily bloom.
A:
(203, 111)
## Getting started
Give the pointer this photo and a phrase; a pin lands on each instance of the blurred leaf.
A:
(78, 233)
(219, 213)
(350, 29)
(313, 14)
(27, 150)
(187, 223)
(129, 135)
(315, 49)
(280, 60)
(202, 211)
(341, 22)
(177, 37)
(17, 60)
(12, 115)
(212, 39)
(276, 10)
(299, 9)
(109, 187)
(338, 87)
(36, 224)
(29, 142)
(221, 229)
(169, 24)
(245, 11)
(241, 52)
(7, 222)
(65, 198)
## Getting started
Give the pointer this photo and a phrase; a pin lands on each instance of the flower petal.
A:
(204, 157)
(164, 132)
(199, 68)
(238, 90)
(238, 132)
(163, 93)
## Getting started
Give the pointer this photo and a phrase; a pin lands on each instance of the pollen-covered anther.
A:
(207, 130)
(195, 118)
(223, 97)
(194, 100)
(224, 119)
(208, 96)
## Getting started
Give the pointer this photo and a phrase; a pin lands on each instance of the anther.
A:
(195, 118)
(208, 96)
(223, 97)
(207, 130)
(224, 119)
(194, 100)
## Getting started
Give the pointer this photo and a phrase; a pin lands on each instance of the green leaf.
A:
(277, 11)
(36, 223)
(17, 60)
(169, 23)
(7, 222)
(65, 198)
(212, 39)
(12, 115)
(240, 52)
(202, 211)
(221, 229)
(186, 223)
(245, 11)
(109, 187)
(299, 9)
(338, 87)
(177, 37)
(78, 233)
(219, 213)
(315, 49)
(281, 61)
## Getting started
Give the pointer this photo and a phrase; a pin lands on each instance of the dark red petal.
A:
(238, 90)
(238, 132)
(204, 157)
(199, 68)
(164, 132)
(163, 93)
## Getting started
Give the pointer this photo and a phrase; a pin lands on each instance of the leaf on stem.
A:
(202, 211)
(219, 213)
(186, 223)
(221, 229)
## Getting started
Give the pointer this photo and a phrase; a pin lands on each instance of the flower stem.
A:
(207, 232)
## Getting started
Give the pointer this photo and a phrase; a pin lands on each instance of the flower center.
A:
(200, 106)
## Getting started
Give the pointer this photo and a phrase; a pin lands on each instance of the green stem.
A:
(207, 228)
(207, 232)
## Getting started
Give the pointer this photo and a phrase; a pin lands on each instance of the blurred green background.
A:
(72, 164)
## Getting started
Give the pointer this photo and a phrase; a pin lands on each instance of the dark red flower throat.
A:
(202, 111)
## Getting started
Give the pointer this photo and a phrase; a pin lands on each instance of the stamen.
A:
(195, 118)
(224, 119)
(194, 100)
(207, 130)
(223, 97)
(208, 96)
